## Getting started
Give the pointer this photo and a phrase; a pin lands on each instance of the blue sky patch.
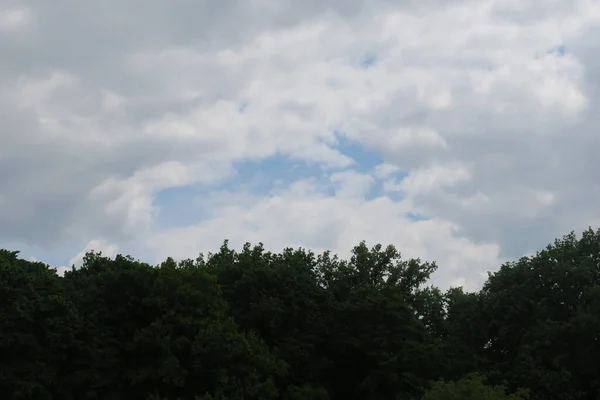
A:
(274, 172)
(364, 158)
(415, 217)
(368, 60)
(178, 206)
(560, 49)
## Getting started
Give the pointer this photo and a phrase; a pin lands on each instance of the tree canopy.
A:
(254, 324)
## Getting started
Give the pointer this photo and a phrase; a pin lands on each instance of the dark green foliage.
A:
(122, 329)
(38, 325)
(295, 325)
(542, 320)
(472, 387)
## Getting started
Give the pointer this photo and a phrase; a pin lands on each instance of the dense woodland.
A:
(296, 325)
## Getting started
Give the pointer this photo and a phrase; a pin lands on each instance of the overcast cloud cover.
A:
(462, 131)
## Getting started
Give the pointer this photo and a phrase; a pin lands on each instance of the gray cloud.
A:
(105, 104)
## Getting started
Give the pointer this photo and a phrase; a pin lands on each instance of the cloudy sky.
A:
(462, 131)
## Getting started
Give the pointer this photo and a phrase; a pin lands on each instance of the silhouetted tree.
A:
(294, 325)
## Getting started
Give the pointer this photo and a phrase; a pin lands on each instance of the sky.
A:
(463, 132)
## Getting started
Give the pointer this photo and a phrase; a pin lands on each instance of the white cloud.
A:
(305, 215)
(433, 179)
(96, 245)
(384, 170)
(15, 19)
(483, 116)
(351, 185)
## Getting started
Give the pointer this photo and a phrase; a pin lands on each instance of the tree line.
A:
(254, 324)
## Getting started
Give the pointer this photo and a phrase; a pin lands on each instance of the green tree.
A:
(378, 342)
(295, 325)
(278, 297)
(540, 315)
(472, 387)
(465, 334)
(165, 331)
(38, 328)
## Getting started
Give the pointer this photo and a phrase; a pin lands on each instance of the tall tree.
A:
(540, 313)
(166, 331)
(38, 328)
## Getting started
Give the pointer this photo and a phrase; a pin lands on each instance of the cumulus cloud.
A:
(96, 245)
(306, 215)
(477, 123)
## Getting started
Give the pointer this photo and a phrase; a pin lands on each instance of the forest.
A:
(253, 324)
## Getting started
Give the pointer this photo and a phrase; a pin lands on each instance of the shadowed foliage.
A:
(296, 325)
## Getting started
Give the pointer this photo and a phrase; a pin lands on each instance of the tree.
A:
(38, 328)
(377, 342)
(166, 331)
(540, 315)
(278, 297)
(295, 325)
(472, 387)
